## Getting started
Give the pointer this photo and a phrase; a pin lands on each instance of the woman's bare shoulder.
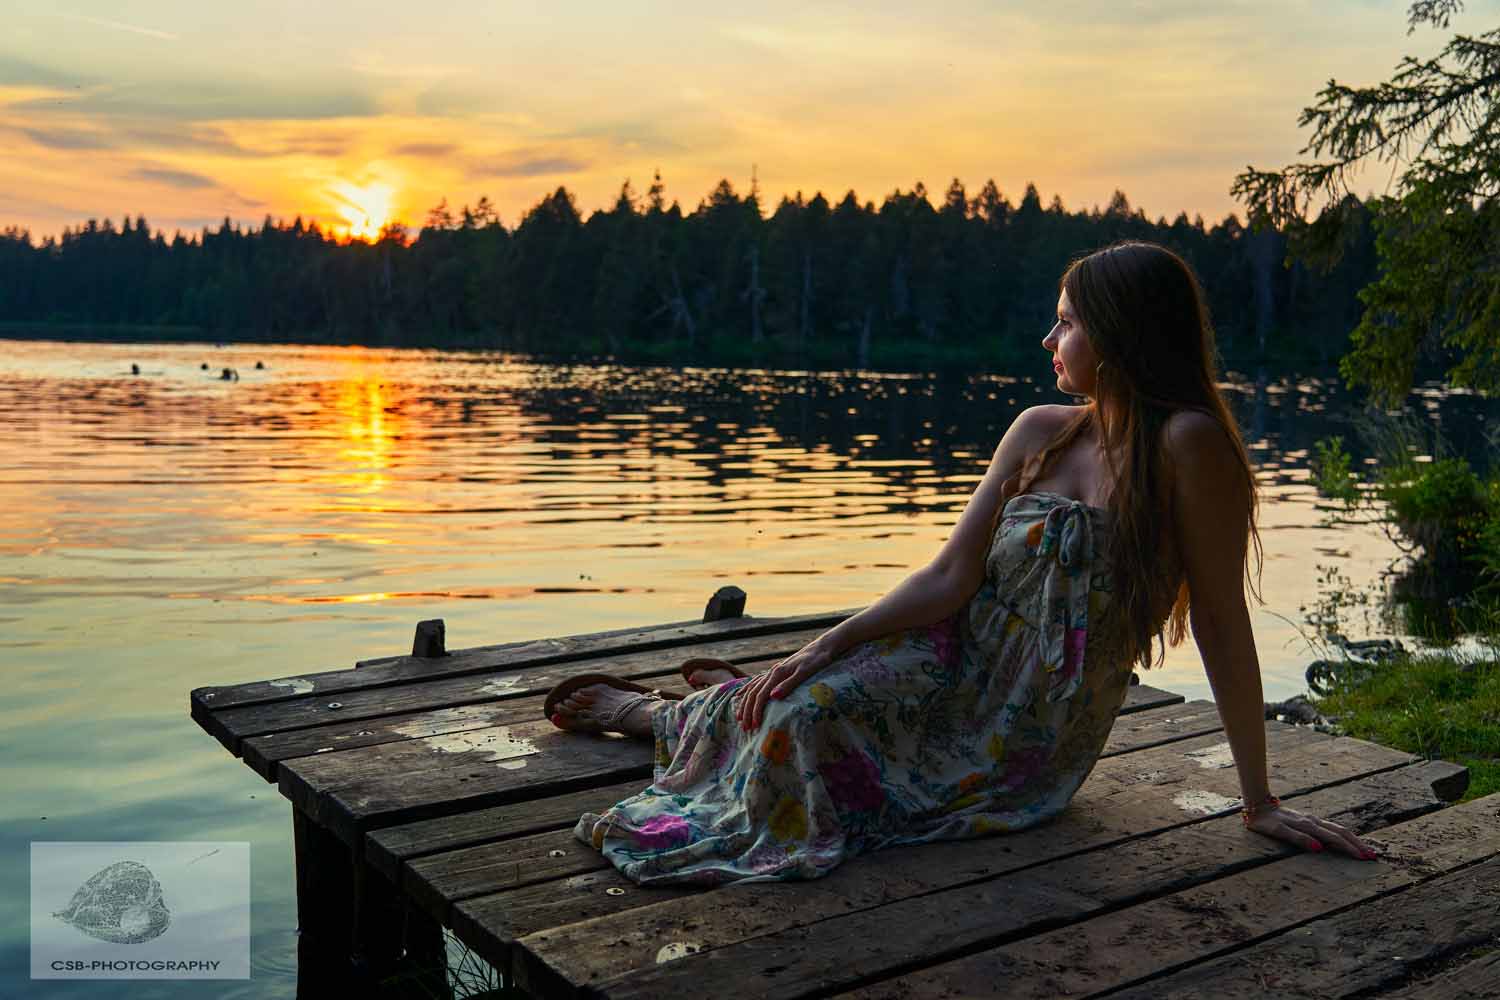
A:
(1196, 437)
(1213, 498)
(1203, 462)
(1056, 414)
(1037, 424)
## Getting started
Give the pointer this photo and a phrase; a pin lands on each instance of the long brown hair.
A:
(1144, 313)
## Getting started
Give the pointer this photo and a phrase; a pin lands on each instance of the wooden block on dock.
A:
(431, 639)
(727, 602)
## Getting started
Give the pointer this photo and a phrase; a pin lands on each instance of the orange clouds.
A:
(204, 113)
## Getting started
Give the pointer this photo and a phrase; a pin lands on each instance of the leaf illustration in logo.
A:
(121, 903)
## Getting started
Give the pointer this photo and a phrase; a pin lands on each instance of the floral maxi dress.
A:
(986, 721)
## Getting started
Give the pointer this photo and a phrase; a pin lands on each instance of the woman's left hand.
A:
(783, 677)
(1309, 832)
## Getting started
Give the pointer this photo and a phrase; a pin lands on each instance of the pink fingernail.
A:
(1315, 846)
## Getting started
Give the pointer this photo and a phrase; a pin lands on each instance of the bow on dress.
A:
(1060, 606)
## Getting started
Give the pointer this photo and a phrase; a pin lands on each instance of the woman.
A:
(977, 695)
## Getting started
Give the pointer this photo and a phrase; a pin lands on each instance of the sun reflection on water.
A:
(369, 425)
(583, 498)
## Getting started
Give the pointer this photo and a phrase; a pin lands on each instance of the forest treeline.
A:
(971, 277)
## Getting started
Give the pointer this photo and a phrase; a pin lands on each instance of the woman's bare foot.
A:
(706, 677)
(580, 711)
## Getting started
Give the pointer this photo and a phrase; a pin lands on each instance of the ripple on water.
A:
(311, 512)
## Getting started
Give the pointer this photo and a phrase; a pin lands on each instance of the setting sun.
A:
(364, 209)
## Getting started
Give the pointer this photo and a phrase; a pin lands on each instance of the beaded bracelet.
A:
(1249, 812)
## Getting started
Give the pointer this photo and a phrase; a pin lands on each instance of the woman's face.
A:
(1073, 357)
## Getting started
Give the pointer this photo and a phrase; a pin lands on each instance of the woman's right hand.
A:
(780, 680)
(1309, 832)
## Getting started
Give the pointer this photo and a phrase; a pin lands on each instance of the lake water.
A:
(168, 530)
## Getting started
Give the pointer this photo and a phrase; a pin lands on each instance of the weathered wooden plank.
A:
(474, 702)
(387, 848)
(1124, 797)
(264, 753)
(1476, 979)
(1128, 946)
(1360, 952)
(434, 882)
(535, 652)
(364, 789)
(487, 867)
(231, 715)
(952, 902)
(382, 661)
(234, 725)
(1141, 697)
(491, 924)
(352, 791)
(1135, 730)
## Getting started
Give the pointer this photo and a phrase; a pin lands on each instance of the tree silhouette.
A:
(1437, 294)
(812, 283)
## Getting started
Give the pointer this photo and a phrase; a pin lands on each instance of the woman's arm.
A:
(946, 583)
(1211, 503)
(931, 593)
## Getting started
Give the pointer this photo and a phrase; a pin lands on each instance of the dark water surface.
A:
(169, 530)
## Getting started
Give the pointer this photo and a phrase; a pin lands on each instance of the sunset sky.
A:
(186, 112)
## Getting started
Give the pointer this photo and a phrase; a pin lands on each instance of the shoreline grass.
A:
(1434, 705)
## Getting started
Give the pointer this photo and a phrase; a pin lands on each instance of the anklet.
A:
(1248, 813)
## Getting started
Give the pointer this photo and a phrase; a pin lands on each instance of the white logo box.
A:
(140, 910)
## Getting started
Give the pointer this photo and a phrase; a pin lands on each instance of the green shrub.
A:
(1443, 506)
(1330, 465)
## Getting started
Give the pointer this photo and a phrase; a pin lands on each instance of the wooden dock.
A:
(428, 792)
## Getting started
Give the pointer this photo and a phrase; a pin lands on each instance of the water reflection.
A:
(367, 452)
(470, 476)
(165, 531)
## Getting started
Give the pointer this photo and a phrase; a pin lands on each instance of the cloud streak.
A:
(525, 166)
(65, 138)
(203, 100)
(15, 71)
(425, 150)
(100, 22)
(183, 179)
